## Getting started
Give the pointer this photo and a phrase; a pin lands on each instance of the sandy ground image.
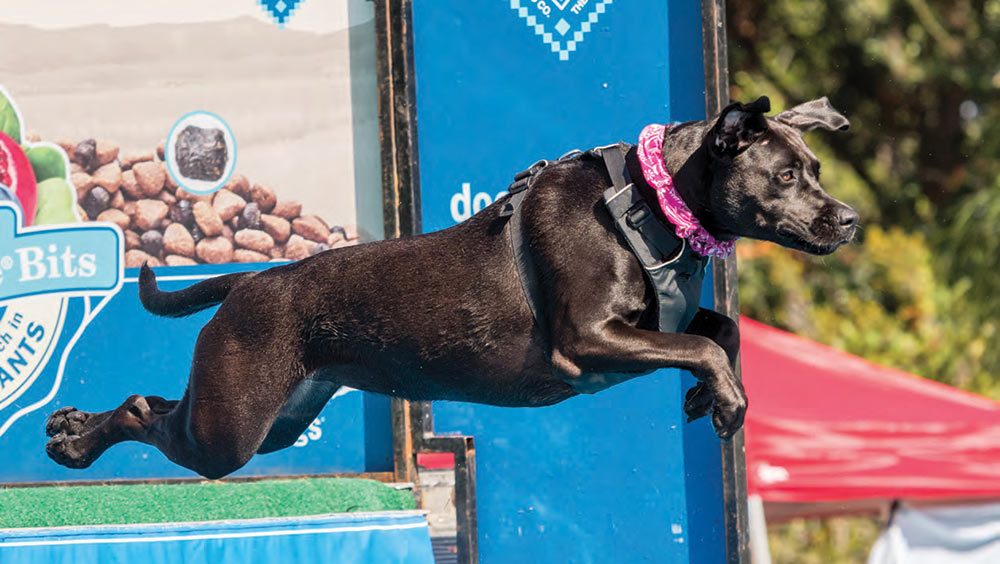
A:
(302, 104)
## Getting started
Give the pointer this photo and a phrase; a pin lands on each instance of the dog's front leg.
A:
(724, 332)
(587, 359)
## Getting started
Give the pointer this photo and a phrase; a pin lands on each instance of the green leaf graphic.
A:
(9, 123)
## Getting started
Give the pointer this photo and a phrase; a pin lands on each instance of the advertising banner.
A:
(201, 139)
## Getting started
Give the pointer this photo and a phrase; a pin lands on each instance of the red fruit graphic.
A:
(17, 174)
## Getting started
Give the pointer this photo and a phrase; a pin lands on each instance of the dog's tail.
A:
(190, 300)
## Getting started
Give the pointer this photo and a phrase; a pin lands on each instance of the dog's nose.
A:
(847, 217)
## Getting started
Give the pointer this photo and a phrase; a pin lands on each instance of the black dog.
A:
(443, 317)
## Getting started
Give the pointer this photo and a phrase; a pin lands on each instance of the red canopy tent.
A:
(825, 427)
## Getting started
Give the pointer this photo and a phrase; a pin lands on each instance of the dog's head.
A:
(765, 180)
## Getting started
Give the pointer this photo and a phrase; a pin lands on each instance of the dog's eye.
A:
(787, 175)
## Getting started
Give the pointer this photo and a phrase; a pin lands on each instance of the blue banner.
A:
(618, 476)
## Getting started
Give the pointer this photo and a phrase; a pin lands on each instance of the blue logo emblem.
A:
(280, 10)
(562, 25)
(53, 283)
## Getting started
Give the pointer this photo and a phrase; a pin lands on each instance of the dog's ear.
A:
(809, 116)
(738, 127)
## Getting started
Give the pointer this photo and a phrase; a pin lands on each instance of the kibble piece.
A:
(75, 168)
(96, 201)
(196, 233)
(167, 198)
(132, 240)
(264, 197)
(83, 182)
(277, 252)
(181, 213)
(136, 258)
(201, 153)
(130, 186)
(117, 217)
(177, 240)
(117, 200)
(254, 240)
(175, 260)
(149, 214)
(277, 227)
(249, 218)
(239, 185)
(159, 149)
(215, 250)
(152, 243)
(311, 227)
(108, 177)
(85, 154)
(150, 176)
(129, 160)
(227, 204)
(207, 219)
(69, 146)
(105, 152)
(246, 255)
(287, 209)
(298, 248)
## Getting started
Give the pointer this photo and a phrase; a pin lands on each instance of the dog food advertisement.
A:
(200, 139)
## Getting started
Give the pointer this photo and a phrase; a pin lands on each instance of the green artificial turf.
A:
(163, 503)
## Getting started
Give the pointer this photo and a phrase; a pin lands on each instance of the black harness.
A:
(673, 269)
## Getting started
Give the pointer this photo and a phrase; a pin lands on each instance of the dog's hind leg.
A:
(80, 437)
(299, 411)
(238, 386)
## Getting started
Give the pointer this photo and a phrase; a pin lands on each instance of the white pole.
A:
(759, 550)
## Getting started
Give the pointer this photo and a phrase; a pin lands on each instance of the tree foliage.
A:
(919, 80)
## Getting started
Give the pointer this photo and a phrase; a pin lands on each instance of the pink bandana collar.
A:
(686, 225)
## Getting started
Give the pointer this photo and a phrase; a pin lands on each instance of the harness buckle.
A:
(638, 214)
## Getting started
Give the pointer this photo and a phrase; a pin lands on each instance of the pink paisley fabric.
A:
(686, 225)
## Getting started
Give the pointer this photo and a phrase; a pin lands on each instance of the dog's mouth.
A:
(809, 243)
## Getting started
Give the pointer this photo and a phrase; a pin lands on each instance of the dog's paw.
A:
(68, 420)
(727, 416)
(698, 402)
(65, 450)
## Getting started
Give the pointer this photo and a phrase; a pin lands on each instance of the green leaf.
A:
(56, 199)
(47, 161)
(9, 123)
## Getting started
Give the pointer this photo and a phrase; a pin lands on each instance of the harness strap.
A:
(653, 244)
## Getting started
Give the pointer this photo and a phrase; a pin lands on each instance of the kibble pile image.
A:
(166, 225)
